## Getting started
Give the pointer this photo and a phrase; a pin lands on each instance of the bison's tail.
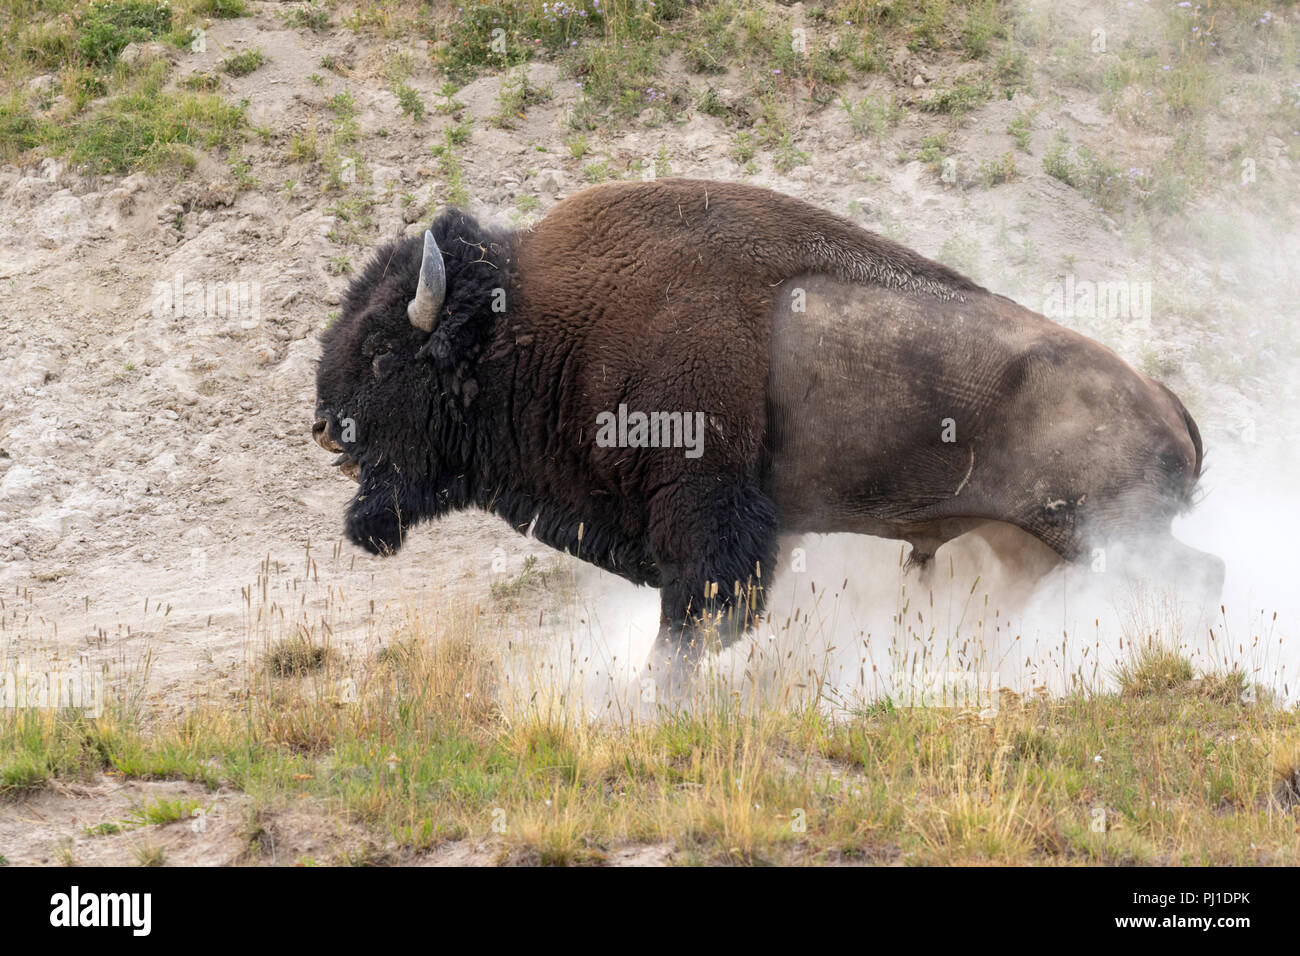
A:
(1195, 432)
(1196, 440)
(1189, 496)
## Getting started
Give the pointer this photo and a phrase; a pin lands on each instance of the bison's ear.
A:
(423, 309)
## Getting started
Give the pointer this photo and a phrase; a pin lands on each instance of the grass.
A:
(202, 82)
(1021, 129)
(577, 145)
(994, 172)
(934, 149)
(147, 854)
(244, 63)
(145, 126)
(743, 149)
(295, 656)
(516, 95)
(409, 101)
(1164, 186)
(957, 100)
(873, 116)
(162, 812)
(312, 16)
(449, 164)
(337, 165)
(104, 30)
(1163, 77)
(1184, 767)
(616, 50)
(598, 172)
(434, 739)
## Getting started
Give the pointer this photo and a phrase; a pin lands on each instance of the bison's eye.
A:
(383, 363)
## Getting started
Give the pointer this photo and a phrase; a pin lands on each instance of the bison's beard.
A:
(391, 500)
(376, 519)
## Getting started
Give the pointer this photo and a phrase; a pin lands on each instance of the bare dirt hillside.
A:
(163, 511)
(155, 459)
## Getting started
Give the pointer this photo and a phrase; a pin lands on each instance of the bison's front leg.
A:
(715, 545)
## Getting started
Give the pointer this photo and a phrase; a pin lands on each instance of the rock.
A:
(165, 462)
(381, 177)
(730, 99)
(122, 199)
(918, 81)
(206, 194)
(550, 181)
(137, 54)
(44, 84)
(1085, 114)
(868, 205)
(263, 353)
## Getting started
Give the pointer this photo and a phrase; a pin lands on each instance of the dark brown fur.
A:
(666, 297)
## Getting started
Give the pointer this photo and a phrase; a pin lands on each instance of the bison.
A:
(662, 377)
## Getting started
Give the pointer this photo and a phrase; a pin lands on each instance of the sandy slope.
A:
(156, 465)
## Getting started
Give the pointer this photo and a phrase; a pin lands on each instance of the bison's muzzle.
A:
(320, 431)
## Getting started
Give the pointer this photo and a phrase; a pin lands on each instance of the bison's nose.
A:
(321, 432)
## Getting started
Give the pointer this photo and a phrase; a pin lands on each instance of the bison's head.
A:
(396, 380)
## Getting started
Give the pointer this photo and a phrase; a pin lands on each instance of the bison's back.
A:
(660, 296)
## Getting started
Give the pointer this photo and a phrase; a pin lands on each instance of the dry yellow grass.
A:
(427, 742)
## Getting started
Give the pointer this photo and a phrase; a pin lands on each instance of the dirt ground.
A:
(157, 469)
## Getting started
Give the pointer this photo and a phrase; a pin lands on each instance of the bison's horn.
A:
(423, 309)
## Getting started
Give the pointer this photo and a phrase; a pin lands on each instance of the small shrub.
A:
(957, 100)
(516, 95)
(105, 29)
(296, 656)
(242, 64)
(998, 171)
(1153, 669)
(409, 102)
(221, 9)
(310, 17)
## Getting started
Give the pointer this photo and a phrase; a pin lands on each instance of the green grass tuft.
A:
(242, 64)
